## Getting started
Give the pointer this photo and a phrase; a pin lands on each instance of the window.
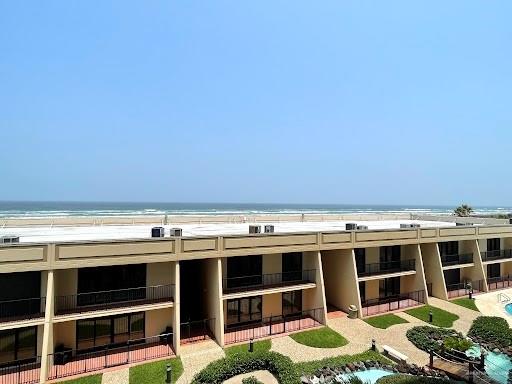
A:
(17, 286)
(360, 259)
(243, 311)
(389, 287)
(292, 266)
(452, 276)
(97, 279)
(390, 257)
(449, 248)
(243, 271)
(493, 245)
(362, 290)
(109, 330)
(292, 303)
(493, 270)
(18, 344)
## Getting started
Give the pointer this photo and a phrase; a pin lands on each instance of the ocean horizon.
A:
(88, 208)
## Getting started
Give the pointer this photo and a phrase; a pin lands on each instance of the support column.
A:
(47, 343)
(434, 269)
(479, 269)
(177, 317)
(219, 303)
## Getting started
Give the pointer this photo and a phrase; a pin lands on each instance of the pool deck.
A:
(489, 304)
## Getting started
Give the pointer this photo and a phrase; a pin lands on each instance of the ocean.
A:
(45, 209)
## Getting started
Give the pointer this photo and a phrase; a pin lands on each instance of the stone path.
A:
(120, 376)
(195, 357)
(466, 316)
(264, 376)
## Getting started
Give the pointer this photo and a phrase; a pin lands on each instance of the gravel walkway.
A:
(120, 376)
(195, 357)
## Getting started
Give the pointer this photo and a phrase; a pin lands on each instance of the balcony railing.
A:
(94, 301)
(272, 280)
(392, 303)
(497, 255)
(22, 309)
(464, 288)
(388, 267)
(500, 282)
(449, 260)
(274, 325)
(20, 372)
(197, 330)
(75, 362)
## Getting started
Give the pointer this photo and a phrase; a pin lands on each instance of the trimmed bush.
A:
(457, 343)
(431, 338)
(407, 379)
(251, 380)
(218, 371)
(491, 330)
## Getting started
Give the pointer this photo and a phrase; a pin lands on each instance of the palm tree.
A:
(463, 210)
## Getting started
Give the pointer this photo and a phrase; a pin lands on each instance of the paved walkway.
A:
(466, 316)
(195, 357)
(490, 304)
(120, 376)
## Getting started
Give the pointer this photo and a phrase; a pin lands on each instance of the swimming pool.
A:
(497, 365)
(508, 308)
(368, 376)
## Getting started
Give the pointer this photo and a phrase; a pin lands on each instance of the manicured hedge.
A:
(407, 379)
(428, 338)
(251, 380)
(491, 330)
(218, 371)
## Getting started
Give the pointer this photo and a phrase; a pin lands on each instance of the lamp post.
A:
(168, 371)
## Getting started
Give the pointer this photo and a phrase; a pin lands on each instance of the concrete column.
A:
(47, 343)
(419, 279)
(219, 303)
(479, 268)
(177, 317)
(434, 269)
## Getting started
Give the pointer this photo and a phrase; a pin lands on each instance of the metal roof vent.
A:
(176, 232)
(254, 229)
(362, 227)
(9, 239)
(157, 232)
(269, 228)
(350, 226)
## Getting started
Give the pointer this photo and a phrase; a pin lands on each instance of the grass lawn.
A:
(441, 318)
(465, 302)
(263, 345)
(93, 379)
(310, 367)
(153, 373)
(320, 338)
(385, 321)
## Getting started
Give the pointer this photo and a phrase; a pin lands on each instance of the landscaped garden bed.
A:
(320, 338)
(440, 317)
(492, 333)
(439, 340)
(385, 321)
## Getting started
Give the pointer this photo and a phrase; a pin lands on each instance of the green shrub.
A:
(491, 330)
(251, 380)
(407, 379)
(430, 338)
(218, 371)
(457, 343)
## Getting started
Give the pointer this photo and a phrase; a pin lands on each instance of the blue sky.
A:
(393, 102)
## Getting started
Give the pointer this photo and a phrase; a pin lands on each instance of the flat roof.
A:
(51, 234)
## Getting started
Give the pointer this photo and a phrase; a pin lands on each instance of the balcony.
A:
(456, 259)
(21, 371)
(392, 303)
(388, 267)
(22, 309)
(265, 281)
(497, 255)
(96, 301)
(500, 282)
(77, 362)
(274, 325)
(464, 288)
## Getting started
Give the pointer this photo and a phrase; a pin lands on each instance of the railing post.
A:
(471, 372)
(106, 351)
(128, 352)
(431, 359)
(270, 325)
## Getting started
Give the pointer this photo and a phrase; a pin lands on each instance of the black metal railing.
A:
(388, 267)
(500, 282)
(392, 303)
(197, 330)
(464, 288)
(456, 259)
(246, 283)
(93, 301)
(497, 255)
(274, 325)
(22, 309)
(20, 372)
(75, 362)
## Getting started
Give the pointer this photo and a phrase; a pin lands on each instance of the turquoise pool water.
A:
(497, 365)
(508, 308)
(368, 376)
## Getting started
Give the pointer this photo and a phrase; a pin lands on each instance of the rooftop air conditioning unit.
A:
(350, 226)
(176, 232)
(463, 224)
(157, 232)
(269, 228)
(254, 229)
(510, 221)
(9, 239)
(362, 227)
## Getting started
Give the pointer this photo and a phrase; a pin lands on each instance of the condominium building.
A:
(78, 298)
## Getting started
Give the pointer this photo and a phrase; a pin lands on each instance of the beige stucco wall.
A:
(433, 270)
(372, 289)
(214, 301)
(272, 263)
(64, 333)
(158, 320)
(340, 278)
(372, 255)
(314, 298)
(272, 305)
(66, 282)
(160, 273)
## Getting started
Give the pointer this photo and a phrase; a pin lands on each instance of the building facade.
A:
(68, 308)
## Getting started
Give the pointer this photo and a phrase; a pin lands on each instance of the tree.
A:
(463, 210)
